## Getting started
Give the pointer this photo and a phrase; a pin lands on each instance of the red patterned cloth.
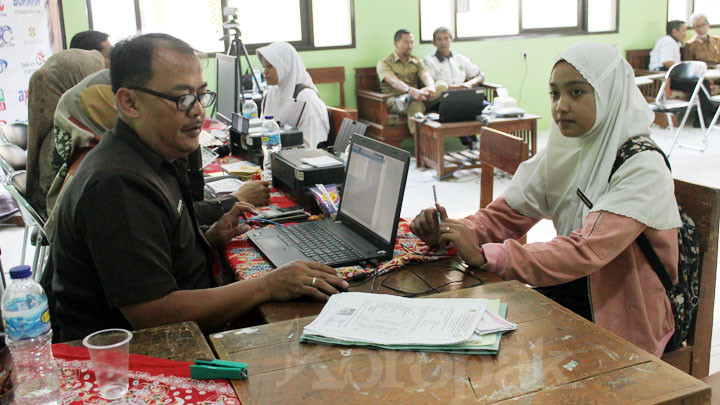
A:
(248, 263)
(152, 381)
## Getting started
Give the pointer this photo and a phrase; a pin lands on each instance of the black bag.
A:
(683, 295)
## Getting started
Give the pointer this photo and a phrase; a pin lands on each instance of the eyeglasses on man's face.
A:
(185, 102)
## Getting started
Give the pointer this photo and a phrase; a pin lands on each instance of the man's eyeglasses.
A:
(184, 102)
(696, 26)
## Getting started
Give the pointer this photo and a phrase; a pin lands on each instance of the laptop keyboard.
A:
(318, 244)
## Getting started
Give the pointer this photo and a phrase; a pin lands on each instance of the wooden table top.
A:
(553, 357)
(470, 124)
(180, 341)
(443, 275)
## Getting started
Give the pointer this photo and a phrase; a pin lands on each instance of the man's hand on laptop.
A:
(256, 193)
(301, 278)
(229, 225)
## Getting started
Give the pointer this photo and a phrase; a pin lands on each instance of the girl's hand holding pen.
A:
(426, 226)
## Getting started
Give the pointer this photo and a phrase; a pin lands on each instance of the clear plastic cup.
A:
(109, 354)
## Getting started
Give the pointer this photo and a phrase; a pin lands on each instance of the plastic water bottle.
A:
(27, 325)
(249, 108)
(270, 144)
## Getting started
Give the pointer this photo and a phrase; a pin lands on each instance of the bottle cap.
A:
(248, 97)
(22, 271)
(269, 117)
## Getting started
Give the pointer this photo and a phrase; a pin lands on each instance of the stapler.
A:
(218, 369)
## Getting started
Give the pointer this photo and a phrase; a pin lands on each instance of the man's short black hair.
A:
(399, 33)
(131, 59)
(673, 25)
(440, 29)
(89, 40)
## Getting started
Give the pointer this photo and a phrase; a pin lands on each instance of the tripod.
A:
(237, 46)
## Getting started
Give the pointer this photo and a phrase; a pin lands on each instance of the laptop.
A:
(461, 105)
(366, 224)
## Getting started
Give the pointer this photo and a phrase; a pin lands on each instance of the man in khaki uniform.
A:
(703, 46)
(401, 74)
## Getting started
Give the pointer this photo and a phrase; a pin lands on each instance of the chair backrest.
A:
(499, 150)
(12, 158)
(702, 204)
(687, 70)
(334, 74)
(367, 79)
(15, 134)
(638, 58)
(347, 129)
(15, 184)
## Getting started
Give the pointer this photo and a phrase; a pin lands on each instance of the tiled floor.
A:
(460, 195)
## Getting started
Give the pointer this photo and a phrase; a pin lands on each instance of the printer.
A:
(505, 106)
(245, 138)
(292, 174)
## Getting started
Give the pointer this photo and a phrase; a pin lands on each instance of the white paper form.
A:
(386, 319)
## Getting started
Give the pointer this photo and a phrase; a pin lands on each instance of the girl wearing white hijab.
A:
(596, 108)
(284, 72)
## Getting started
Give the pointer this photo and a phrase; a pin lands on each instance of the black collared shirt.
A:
(126, 234)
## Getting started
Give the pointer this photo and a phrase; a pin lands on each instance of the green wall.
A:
(641, 23)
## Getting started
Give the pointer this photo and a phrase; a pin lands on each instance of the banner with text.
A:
(25, 44)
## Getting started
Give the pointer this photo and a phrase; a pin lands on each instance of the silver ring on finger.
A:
(313, 282)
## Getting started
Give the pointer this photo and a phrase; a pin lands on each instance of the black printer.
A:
(295, 177)
(248, 146)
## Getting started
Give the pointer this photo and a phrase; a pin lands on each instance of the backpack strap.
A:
(632, 147)
(627, 150)
(300, 87)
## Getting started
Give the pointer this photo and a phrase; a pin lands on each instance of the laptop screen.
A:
(369, 174)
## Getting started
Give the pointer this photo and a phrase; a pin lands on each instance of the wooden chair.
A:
(639, 59)
(498, 150)
(334, 74)
(372, 109)
(702, 204)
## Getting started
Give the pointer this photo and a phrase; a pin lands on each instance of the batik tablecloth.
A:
(152, 381)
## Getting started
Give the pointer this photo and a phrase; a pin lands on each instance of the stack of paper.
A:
(321, 161)
(451, 325)
(223, 186)
(244, 170)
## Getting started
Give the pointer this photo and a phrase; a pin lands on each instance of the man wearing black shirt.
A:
(128, 251)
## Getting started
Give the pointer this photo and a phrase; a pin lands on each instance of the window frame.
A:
(580, 29)
(690, 9)
(306, 28)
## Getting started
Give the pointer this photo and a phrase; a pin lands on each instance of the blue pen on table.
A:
(436, 203)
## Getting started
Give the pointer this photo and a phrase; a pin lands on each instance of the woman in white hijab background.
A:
(593, 262)
(286, 75)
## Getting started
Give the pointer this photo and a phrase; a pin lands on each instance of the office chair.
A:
(15, 134)
(714, 100)
(687, 71)
(15, 184)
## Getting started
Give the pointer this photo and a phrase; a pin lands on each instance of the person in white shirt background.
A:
(285, 73)
(667, 49)
(451, 67)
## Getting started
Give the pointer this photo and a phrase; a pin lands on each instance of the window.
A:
(683, 9)
(307, 24)
(496, 18)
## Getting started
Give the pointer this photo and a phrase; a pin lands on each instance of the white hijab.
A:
(546, 185)
(291, 72)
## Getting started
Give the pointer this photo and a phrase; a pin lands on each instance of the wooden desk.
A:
(438, 274)
(430, 140)
(179, 341)
(554, 357)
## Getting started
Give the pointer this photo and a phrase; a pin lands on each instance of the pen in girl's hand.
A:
(436, 203)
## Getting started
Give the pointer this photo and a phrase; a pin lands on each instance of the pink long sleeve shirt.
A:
(626, 296)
